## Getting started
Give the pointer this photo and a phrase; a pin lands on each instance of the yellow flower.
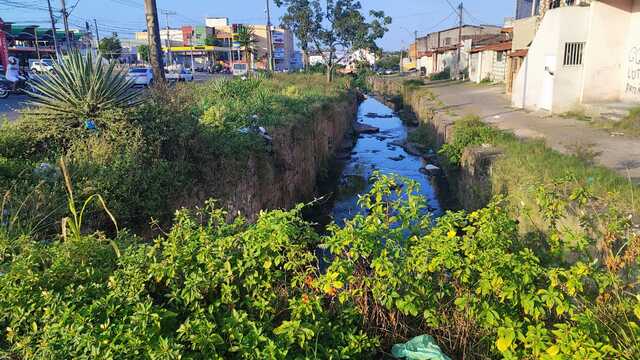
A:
(451, 234)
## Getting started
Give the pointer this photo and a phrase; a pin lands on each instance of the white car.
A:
(240, 69)
(141, 76)
(41, 66)
(182, 75)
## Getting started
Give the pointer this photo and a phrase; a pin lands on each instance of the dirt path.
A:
(620, 153)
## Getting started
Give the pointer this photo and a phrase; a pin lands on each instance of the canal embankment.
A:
(483, 161)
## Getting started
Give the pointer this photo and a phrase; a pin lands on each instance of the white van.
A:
(240, 69)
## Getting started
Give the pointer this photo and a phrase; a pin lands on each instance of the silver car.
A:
(141, 76)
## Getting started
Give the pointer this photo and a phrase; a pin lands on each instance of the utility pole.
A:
(193, 66)
(401, 55)
(153, 33)
(53, 29)
(95, 24)
(415, 42)
(461, 7)
(167, 13)
(35, 33)
(269, 40)
(65, 20)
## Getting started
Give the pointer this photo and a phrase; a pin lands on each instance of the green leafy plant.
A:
(227, 289)
(80, 87)
(468, 131)
(72, 226)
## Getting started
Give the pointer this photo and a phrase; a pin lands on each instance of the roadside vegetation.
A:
(78, 281)
(140, 152)
(630, 125)
(210, 288)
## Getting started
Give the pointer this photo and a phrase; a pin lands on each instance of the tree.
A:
(300, 19)
(389, 61)
(247, 40)
(335, 27)
(143, 52)
(110, 47)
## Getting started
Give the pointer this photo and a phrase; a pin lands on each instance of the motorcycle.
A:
(22, 86)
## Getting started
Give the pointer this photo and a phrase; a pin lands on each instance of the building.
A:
(582, 53)
(438, 51)
(489, 62)
(215, 42)
(30, 42)
(357, 58)
(488, 57)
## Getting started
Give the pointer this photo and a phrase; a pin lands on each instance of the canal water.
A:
(378, 152)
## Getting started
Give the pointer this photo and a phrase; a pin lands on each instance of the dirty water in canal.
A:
(380, 151)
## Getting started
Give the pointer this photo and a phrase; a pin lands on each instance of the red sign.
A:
(4, 47)
(187, 33)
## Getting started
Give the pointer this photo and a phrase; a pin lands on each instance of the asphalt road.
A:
(9, 107)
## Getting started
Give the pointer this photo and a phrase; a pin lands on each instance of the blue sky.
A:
(127, 16)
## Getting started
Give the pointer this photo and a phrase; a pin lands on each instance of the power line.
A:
(454, 8)
(442, 21)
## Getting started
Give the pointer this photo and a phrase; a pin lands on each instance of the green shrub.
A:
(413, 83)
(79, 87)
(213, 289)
(443, 75)
(468, 131)
(144, 159)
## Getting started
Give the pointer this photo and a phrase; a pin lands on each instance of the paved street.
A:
(620, 153)
(9, 107)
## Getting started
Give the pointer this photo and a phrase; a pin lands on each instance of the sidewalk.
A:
(620, 153)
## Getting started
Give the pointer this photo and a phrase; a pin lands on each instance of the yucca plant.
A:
(81, 87)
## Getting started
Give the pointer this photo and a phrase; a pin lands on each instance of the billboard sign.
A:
(278, 37)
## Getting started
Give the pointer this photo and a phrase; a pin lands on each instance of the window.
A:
(447, 41)
(500, 56)
(573, 53)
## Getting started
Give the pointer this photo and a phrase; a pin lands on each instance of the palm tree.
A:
(247, 40)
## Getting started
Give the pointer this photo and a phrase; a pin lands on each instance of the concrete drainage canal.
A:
(379, 144)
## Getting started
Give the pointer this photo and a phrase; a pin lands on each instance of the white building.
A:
(582, 55)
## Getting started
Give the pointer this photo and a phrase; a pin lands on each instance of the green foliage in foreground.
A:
(217, 290)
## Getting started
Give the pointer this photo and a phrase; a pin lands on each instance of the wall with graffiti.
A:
(631, 83)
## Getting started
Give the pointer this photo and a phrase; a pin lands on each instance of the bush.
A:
(443, 75)
(79, 88)
(143, 159)
(468, 131)
(212, 289)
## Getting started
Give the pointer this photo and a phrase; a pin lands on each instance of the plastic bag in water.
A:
(422, 347)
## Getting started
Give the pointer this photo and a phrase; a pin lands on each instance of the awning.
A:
(502, 46)
(31, 49)
(519, 53)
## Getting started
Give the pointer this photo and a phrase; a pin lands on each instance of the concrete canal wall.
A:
(471, 184)
(285, 175)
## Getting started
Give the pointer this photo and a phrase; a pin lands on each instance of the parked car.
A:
(240, 69)
(181, 75)
(42, 66)
(141, 76)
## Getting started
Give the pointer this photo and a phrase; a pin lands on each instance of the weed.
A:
(630, 125)
(578, 114)
(584, 151)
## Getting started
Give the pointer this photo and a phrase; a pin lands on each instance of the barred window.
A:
(573, 53)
